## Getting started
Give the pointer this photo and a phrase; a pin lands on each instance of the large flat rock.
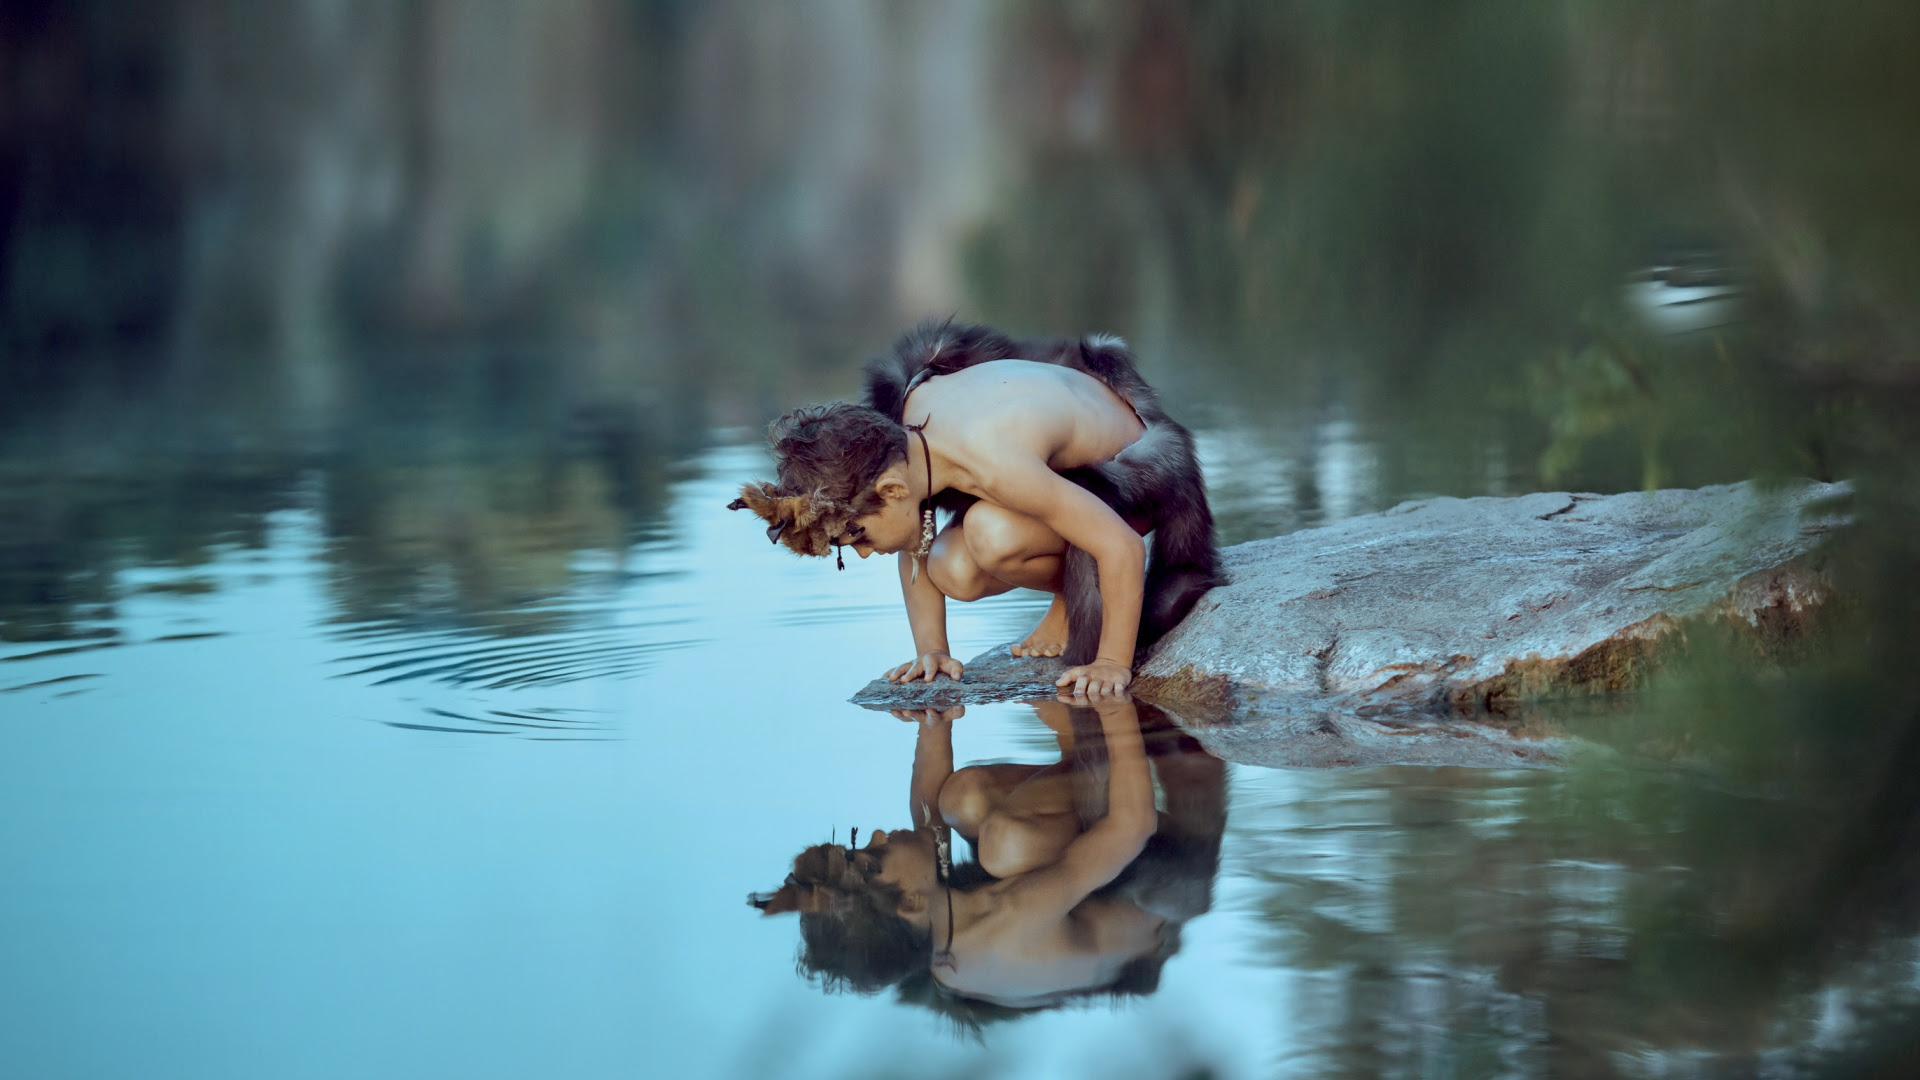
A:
(1479, 604)
(1456, 606)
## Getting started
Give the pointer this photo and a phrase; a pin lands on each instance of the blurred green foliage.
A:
(1431, 211)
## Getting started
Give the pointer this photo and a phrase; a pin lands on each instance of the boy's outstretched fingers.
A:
(926, 667)
(1099, 677)
(1106, 700)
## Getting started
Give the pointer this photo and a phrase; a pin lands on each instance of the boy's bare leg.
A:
(1050, 637)
(995, 549)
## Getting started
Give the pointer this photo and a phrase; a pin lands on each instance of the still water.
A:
(502, 823)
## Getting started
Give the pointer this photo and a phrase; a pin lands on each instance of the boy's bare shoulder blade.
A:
(992, 420)
(1015, 440)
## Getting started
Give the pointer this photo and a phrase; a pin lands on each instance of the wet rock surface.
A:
(994, 675)
(1463, 605)
(1368, 641)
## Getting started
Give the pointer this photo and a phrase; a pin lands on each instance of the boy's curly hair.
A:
(854, 940)
(828, 458)
(852, 936)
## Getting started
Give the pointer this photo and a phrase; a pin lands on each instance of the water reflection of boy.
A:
(1018, 817)
(1035, 934)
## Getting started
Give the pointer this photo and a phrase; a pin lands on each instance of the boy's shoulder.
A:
(943, 347)
(1001, 399)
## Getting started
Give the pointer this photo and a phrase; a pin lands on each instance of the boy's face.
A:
(907, 860)
(894, 527)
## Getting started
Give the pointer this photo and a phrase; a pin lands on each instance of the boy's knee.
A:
(994, 538)
(963, 798)
(953, 570)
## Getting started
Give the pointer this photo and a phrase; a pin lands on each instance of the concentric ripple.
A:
(539, 725)
(495, 663)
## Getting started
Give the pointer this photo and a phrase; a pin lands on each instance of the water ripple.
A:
(835, 614)
(56, 681)
(534, 660)
(527, 725)
(64, 650)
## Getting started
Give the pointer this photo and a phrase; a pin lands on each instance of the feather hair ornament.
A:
(806, 523)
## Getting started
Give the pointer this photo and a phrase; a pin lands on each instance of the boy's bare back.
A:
(1010, 413)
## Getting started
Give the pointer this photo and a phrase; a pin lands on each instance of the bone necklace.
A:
(926, 504)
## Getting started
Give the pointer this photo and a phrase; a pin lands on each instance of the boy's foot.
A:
(1050, 637)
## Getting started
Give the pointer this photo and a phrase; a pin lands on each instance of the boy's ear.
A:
(913, 903)
(892, 488)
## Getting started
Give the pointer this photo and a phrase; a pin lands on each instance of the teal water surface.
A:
(252, 830)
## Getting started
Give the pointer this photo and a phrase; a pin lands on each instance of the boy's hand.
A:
(1099, 677)
(926, 667)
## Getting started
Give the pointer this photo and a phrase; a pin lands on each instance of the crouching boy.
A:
(1051, 461)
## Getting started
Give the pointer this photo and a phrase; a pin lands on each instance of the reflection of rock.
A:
(1307, 733)
(1458, 605)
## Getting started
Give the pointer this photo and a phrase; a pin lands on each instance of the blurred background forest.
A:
(538, 253)
(480, 279)
(266, 216)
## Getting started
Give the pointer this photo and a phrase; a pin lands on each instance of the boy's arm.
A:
(1089, 524)
(1098, 855)
(932, 760)
(927, 616)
